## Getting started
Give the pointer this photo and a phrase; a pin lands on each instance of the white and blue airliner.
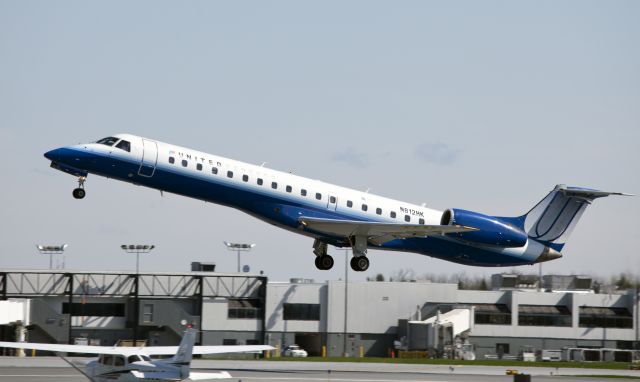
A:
(330, 214)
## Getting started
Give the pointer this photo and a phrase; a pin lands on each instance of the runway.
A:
(52, 369)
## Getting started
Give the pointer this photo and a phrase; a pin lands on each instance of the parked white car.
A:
(294, 351)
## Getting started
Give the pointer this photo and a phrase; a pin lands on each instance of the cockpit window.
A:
(145, 358)
(124, 145)
(133, 358)
(109, 141)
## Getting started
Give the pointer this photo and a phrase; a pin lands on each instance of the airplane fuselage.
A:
(276, 197)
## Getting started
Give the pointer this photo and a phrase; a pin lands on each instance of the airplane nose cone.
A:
(53, 154)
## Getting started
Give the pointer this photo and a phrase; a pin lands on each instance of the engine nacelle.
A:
(491, 230)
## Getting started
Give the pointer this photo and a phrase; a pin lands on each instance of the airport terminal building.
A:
(329, 318)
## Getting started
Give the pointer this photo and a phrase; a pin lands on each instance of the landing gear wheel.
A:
(324, 262)
(79, 193)
(359, 264)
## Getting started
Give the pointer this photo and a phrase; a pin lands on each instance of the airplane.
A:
(134, 363)
(330, 214)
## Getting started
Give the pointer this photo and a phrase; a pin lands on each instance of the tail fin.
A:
(184, 354)
(553, 219)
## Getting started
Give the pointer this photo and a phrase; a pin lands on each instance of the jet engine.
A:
(491, 230)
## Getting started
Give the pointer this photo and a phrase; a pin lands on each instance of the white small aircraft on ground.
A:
(135, 364)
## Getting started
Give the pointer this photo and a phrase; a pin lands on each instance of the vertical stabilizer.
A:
(553, 219)
(184, 354)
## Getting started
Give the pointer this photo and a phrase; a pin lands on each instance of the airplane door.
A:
(332, 202)
(149, 158)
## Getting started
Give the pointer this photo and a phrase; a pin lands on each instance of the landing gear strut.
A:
(79, 193)
(323, 261)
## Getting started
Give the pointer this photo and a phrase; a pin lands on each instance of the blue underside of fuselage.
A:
(283, 212)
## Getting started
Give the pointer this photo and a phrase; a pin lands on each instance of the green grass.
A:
(424, 361)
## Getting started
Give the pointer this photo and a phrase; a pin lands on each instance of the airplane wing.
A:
(212, 349)
(61, 348)
(126, 351)
(379, 233)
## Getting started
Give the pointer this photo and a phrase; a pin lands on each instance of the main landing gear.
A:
(324, 262)
(79, 193)
(359, 261)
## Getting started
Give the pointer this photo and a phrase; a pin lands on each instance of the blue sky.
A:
(476, 105)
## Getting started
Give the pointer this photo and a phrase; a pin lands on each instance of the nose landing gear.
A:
(79, 193)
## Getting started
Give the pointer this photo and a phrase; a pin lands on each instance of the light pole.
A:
(346, 293)
(137, 249)
(239, 247)
(52, 250)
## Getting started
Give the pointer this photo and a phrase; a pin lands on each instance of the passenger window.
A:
(365, 207)
(303, 192)
(421, 221)
(289, 189)
(229, 174)
(172, 160)
(379, 211)
(349, 203)
(118, 361)
(184, 163)
(332, 199)
(274, 185)
(124, 145)
(199, 166)
(245, 178)
(393, 214)
(133, 358)
(260, 181)
(214, 170)
(107, 359)
(109, 141)
(318, 196)
(407, 218)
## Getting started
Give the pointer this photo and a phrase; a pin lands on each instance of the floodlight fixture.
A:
(239, 247)
(52, 250)
(137, 249)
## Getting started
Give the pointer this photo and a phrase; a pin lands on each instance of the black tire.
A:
(326, 262)
(360, 263)
(318, 263)
(79, 193)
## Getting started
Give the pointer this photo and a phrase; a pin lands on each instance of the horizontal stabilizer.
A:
(378, 233)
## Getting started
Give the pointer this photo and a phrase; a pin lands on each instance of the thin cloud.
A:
(352, 157)
(436, 153)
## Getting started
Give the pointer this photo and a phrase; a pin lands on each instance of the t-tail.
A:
(553, 219)
(184, 355)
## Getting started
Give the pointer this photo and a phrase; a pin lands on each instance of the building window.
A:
(94, 309)
(301, 312)
(492, 314)
(421, 221)
(184, 163)
(229, 341)
(147, 313)
(229, 174)
(349, 203)
(365, 207)
(303, 192)
(214, 170)
(379, 211)
(244, 309)
(260, 181)
(544, 315)
(318, 196)
(172, 160)
(407, 218)
(289, 189)
(274, 185)
(245, 178)
(597, 317)
(392, 214)
(502, 349)
(199, 166)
